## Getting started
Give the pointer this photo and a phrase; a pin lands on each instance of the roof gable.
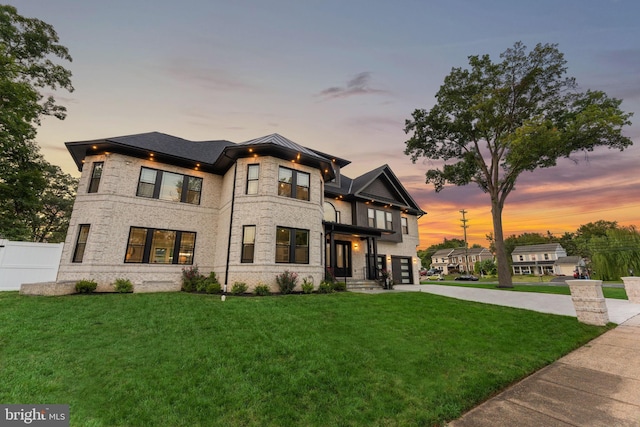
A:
(382, 185)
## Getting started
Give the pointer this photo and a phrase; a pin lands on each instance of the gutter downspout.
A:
(233, 199)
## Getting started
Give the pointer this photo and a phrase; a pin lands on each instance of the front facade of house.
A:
(536, 259)
(459, 259)
(150, 205)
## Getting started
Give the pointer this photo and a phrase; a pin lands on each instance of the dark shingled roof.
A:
(199, 151)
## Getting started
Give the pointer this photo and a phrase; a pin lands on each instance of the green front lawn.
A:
(179, 359)
(617, 293)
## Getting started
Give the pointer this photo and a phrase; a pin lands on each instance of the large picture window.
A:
(157, 246)
(292, 245)
(293, 183)
(175, 187)
(96, 174)
(81, 243)
(248, 243)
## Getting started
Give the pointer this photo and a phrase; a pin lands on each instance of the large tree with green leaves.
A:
(616, 253)
(28, 47)
(495, 120)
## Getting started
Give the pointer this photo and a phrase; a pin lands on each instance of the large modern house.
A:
(149, 205)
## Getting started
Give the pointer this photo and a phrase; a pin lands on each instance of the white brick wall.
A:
(115, 208)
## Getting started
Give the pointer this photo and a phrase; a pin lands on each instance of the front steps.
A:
(360, 285)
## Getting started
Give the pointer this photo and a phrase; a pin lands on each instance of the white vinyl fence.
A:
(27, 262)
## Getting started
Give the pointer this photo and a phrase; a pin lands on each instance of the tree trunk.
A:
(504, 270)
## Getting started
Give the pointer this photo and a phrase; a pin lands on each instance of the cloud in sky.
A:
(358, 85)
(205, 77)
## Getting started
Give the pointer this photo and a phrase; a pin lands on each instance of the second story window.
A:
(293, 184)
(253, 173)
(96, 174)
(157, 184)
(405, 225)
(380, 219)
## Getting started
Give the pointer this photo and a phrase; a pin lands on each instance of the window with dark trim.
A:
(81, 242)
(292, 245)
(157, 246)
(163, 185)
(96, 174)
(380, 219)
(405, 225)
(293, 183)
(253, 174)
(248, 243)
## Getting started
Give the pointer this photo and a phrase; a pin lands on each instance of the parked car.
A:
(469, 277)
(423, 271)
(435, 277)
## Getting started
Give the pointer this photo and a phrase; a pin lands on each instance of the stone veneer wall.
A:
(115, 208)
(267, 211)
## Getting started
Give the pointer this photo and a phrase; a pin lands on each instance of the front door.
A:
(343, 259)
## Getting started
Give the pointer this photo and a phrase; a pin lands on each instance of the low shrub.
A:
(86, 286)
(123, 286)
(262, 290)
(325, 287)
(239, 288)
(340, 286)
(307, 285)
(191, 278)
(287, 281)
(209, 284)
(213, 288)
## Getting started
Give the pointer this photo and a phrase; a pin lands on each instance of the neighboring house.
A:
(149, 205)
(459, 259)
(536, 259)
(568, 265)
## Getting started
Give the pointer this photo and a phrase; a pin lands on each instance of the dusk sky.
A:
(342, 77)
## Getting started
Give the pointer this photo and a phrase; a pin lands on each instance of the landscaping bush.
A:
(307, 285)
(213, 288)
(287, 281)
(190, 278)
(123, 286)
(209, 284)
(239, 288)
(86, 286)
(262, 290)
(340, 286)
(325, 287)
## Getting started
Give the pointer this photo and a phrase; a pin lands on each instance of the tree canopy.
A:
(27, 49)
(495, 120)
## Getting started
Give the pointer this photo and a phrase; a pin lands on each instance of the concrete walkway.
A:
(619, 310)
(596, 385)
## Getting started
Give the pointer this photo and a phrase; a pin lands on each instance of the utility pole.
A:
(466, 246)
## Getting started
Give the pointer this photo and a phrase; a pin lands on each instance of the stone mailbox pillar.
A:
(632, 287)
(589, 302)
